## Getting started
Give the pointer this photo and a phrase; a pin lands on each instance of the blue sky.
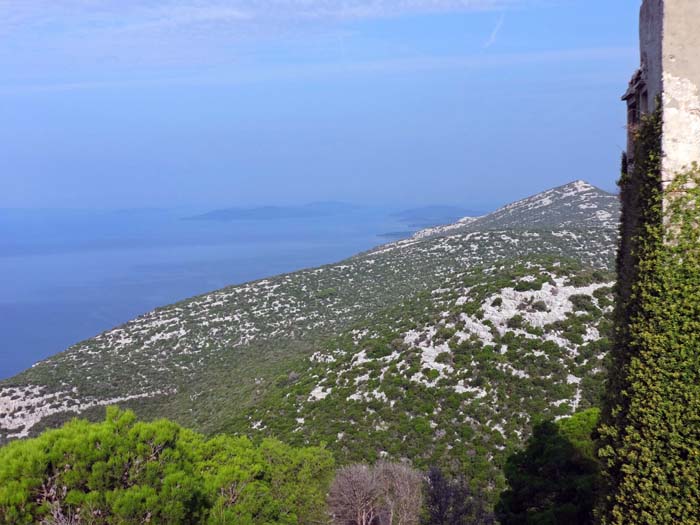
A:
(210, 103)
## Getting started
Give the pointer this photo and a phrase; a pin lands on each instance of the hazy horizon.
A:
(214, 104)
(475, 204)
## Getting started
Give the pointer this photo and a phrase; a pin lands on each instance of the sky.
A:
(213, 103)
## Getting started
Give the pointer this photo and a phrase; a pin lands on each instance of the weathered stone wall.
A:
(669, 36)
(681, 83)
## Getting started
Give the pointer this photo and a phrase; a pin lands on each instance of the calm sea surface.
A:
(67, 276)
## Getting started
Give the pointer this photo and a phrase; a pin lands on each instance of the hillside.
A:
(436, 349)
(453, 375)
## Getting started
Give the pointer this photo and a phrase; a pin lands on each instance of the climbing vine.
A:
(650, 435)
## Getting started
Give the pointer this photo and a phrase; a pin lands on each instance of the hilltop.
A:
(574, 205)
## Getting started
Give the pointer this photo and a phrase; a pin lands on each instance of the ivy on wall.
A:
(650, 432)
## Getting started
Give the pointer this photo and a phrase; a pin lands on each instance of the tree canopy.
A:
(123, 471)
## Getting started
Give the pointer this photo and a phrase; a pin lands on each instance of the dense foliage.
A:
(553, 481)
(122, 471)
(651, 430)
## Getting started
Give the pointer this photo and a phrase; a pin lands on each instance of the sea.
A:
(68, 275)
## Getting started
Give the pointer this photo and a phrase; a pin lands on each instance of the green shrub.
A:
(583, 303)
(540, 306)
(431, 374)
(515, 322)
(327, 293)
(444, 358)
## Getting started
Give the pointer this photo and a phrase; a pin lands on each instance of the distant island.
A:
(414, 218)
(307, 211)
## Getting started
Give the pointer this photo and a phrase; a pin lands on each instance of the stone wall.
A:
(681, 83)
(669, 38)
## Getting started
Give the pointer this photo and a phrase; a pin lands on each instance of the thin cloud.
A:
(496, 30)
(325, 70)
(65, 38)
(175, 13)
(178, 16)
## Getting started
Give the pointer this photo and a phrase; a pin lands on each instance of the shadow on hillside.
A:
(550, 482)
